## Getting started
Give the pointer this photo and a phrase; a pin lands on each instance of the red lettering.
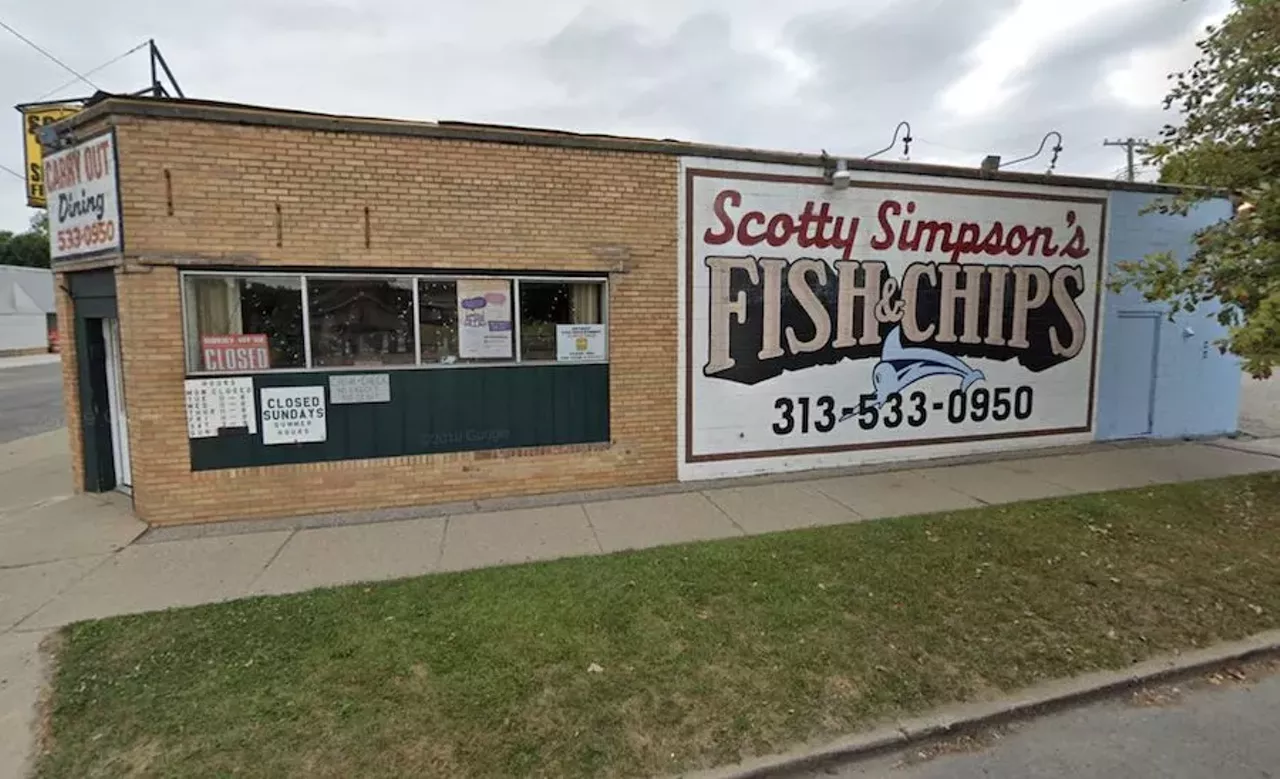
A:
(97, 161)
(1076, 247)
(821, 240)
(62, 172)
(780, 229)
(934, 231)
(1017, 233)
(885, 239)
(745, 238)
(734, 198)
(966, 242)
(1049, 250)
(844, 242)
(993, 244)
(807, 220)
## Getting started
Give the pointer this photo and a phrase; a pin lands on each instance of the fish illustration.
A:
(901, 366)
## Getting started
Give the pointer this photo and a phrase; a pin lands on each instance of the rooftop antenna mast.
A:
(157, 88)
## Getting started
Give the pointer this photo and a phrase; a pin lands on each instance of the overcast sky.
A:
(971, 76)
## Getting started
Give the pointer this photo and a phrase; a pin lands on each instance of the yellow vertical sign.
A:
(33, 118)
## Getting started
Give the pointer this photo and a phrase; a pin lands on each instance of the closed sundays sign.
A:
(293, 415)
(81, 186)
(900, 312)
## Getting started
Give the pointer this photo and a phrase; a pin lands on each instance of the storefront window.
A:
(466, 320)
(544, 305)
(244, 323)
(361, 321)
(253, 323)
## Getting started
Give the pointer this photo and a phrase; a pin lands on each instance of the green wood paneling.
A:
(434, 411)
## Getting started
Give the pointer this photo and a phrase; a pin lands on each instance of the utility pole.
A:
(1129, 145)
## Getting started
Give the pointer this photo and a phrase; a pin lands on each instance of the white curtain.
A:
(213, 308)
(585, 303)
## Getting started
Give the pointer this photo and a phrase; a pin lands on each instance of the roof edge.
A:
(234, 113)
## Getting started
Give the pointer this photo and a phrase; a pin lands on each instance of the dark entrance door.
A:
(93, 297)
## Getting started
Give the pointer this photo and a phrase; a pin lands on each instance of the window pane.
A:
(543, 305)
(243, 323)
(438, 321)
(357, 322)
(483, 301)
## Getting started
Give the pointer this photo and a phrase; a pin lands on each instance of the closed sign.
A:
(293, 415)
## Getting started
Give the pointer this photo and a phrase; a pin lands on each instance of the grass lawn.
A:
(698, 654)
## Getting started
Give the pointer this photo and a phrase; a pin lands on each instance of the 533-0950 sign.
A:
(803, 414)
(87, 238)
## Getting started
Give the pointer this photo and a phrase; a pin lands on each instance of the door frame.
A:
(1154, 318)
(116, 399)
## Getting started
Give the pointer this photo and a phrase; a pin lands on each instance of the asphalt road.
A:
(30, 400)
(1227, 731)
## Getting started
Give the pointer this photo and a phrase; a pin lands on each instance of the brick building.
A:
(280, 313)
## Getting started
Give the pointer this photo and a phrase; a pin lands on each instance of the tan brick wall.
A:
(432, 204)
(70, 379)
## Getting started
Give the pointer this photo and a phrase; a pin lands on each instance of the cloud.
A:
(1066, 87)
(804, 75)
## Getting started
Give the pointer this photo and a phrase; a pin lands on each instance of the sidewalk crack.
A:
(444, 539)
(724, 513)
(274, 556)
(17, 626)
(591, 525)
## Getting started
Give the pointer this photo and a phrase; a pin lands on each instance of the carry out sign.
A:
(83, 189)
(900, 312)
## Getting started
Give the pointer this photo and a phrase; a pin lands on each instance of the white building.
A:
(27, 310)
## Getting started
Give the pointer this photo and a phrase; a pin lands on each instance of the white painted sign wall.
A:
(823, 327)
(83, 191)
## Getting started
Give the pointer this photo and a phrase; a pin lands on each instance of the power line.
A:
(924, 142)
(60, 63)
(13, 172)
(104, 65)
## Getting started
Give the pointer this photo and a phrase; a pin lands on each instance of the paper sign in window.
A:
(484, 319)
(580, 343)
(235, 353)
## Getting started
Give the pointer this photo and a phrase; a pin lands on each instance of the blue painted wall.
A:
(1169, 373)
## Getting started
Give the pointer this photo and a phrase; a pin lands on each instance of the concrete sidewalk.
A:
(28, 359)
(66, 557)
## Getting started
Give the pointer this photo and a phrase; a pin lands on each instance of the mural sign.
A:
(895, 313)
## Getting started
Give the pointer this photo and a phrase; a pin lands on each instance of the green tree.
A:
(40, 223)
(1228, 141)
(30, 248)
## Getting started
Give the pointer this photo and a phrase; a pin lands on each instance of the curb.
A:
(1026, 704)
